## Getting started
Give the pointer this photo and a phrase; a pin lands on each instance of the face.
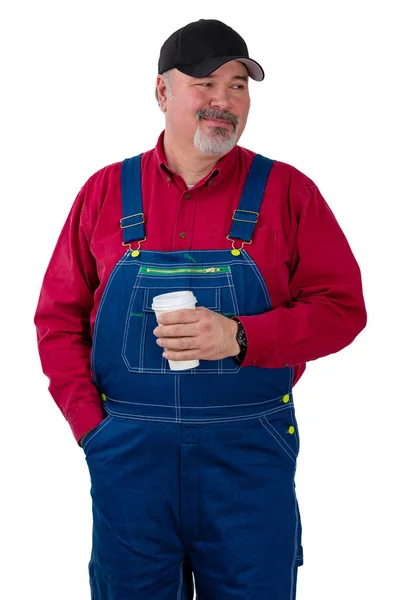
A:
(209, 113)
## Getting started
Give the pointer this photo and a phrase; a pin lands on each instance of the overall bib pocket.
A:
(213, 288)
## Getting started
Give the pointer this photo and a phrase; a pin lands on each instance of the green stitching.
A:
(137, 315)
(189, 257)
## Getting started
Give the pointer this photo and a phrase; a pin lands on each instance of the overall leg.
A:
(137, 551)
(248, 543)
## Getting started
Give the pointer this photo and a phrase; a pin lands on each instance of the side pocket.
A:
(97, 431)
(282, 427)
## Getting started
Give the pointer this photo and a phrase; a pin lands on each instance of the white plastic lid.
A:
(174, 300)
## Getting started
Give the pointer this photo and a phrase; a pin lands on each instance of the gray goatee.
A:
(219, 140)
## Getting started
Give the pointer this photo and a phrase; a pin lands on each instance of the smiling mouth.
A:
(218, 122)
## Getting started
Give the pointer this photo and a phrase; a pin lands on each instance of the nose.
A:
(220, 99)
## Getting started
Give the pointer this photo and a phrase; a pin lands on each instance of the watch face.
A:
(241, 337)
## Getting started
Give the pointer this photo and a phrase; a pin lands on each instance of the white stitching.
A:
(177, 407)
(98, 314)
(295, 425)
(196, 371)
(278, 440)
(142, 344)
(127, 321)
(284, 407)
(232, 290)
(185, 420)
(143, 333)
(218, 369)
(222, 262)
(294, 566)
(279, 435)
(101, 426)
(260, 278)
(147, 308)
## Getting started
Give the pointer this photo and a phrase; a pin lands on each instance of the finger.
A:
(175, 331)
(178, 344)
(186, 315)
(181, 355)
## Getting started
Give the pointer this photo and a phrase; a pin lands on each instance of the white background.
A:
(77, 94)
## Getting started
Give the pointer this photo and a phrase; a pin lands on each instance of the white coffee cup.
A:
(169, 303)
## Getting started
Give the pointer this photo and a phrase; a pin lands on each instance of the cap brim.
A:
(209, 65)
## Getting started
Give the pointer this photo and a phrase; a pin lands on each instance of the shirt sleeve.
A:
(62, 322)
(327, 309)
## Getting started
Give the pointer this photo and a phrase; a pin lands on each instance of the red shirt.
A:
(312, 276)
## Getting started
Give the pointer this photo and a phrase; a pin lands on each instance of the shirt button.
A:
(187, 196)
(182, 234)
(168, 179)
(211, 182)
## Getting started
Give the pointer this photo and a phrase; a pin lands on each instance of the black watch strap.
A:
(241, 340)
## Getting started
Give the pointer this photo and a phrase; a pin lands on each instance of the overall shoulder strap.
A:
(132, 221)
(246, 215)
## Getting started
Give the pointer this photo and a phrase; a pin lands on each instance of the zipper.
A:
(198, 270)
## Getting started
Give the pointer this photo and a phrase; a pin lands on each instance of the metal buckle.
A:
(236, 251)
(245, 220)
(130, 217)
(136, 252)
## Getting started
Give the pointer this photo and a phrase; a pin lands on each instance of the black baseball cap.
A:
(201, 47)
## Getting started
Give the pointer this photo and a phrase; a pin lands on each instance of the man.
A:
(193, 471)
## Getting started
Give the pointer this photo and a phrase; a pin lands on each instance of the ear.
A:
(161, 92)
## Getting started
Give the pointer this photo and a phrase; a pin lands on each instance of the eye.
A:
(206, 84)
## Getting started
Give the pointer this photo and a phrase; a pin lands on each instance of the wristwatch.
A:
(241, 340)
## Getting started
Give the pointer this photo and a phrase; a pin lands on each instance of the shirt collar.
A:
(218, 173)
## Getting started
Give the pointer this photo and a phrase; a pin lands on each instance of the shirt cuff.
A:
(85, 417)
(261, 340)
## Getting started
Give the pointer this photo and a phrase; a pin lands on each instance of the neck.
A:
(189, 163)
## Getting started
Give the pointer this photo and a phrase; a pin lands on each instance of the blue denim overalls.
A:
(191, 471)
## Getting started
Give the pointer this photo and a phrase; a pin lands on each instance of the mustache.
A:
(223, 115)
